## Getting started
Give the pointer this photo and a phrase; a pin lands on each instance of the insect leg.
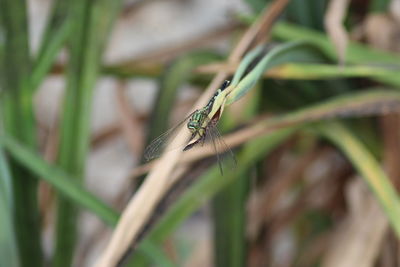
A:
(189, 146)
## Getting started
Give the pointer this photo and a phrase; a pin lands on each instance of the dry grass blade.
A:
(259, 30)
(334, 26)
(141, 206)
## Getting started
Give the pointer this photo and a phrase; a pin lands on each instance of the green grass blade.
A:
(5, 180)
(293, 71)
(356, 53)
(17, 115)
(8, 245)
(307, 71)
(60, 180)
(2, 61)
(229, 213)
(58, 28)
(368, 167)
(245, 63)
(153, 252)
(92, 22)
(365, 103)
(67, 186)
(289, 52)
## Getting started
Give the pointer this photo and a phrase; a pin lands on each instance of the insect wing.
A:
(210, 134)
(156, 147)
(220, 147)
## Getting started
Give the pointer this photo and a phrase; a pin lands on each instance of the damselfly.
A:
(202, 124)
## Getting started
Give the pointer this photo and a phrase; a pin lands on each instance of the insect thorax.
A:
(197, 119)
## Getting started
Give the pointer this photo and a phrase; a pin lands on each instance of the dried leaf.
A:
(334, 26)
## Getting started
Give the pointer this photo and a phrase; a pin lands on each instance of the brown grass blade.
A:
(334, 26)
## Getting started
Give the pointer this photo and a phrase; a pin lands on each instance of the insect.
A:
(202, 125)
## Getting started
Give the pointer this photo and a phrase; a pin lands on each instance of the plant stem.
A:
(92, 21)
(19, 122)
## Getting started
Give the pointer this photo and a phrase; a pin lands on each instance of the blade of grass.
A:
(229, 214)
(333, 21)
(368, 167)
(300, 71)
(262, 61)
(2, 61)
(356, 53)
(92, 22)
(5, 180)
(19, 122)
(152, 252)
(289, 52)
(67, 186)
(60, 180)
(8, 246)
(304, 71)
(58, 28)
(245, 63)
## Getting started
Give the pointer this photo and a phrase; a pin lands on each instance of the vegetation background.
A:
(85, 85)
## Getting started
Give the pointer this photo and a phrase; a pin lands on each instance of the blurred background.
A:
(86, 85)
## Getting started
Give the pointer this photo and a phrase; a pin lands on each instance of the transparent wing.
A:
(220, 147)
(210, 134)
(157, 146)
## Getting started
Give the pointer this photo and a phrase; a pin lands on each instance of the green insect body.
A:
(197, 126)
(210, 114)
(201, 123)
